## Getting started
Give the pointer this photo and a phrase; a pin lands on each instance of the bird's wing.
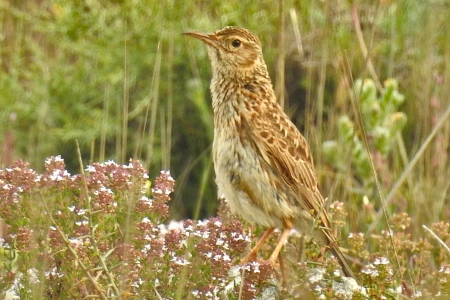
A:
(287, 154)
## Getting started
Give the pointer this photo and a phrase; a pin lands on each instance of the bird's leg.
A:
(288, 225)
(283, 278)
(252, 255)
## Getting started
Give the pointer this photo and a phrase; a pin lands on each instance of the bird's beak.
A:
(208, 38)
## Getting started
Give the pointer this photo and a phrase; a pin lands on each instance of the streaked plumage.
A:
(263, 164)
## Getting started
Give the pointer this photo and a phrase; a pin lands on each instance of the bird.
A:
(263, 164)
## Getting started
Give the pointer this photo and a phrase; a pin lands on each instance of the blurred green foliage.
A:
(118, 77)
(382, 122)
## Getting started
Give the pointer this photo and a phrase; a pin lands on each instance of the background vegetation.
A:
(118, 77)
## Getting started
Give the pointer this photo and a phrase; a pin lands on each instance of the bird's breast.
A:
(241, 174)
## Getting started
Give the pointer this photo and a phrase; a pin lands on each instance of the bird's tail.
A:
(336, 251)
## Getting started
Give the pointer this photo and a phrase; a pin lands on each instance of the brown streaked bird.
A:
(263, 164)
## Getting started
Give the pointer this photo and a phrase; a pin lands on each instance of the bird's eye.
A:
(236, 43)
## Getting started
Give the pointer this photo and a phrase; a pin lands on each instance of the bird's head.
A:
(231, 49)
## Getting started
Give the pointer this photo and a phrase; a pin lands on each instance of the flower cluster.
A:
(14, 181)
(199, 255)
(66, 226)
(338, 214)
(106, 231)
